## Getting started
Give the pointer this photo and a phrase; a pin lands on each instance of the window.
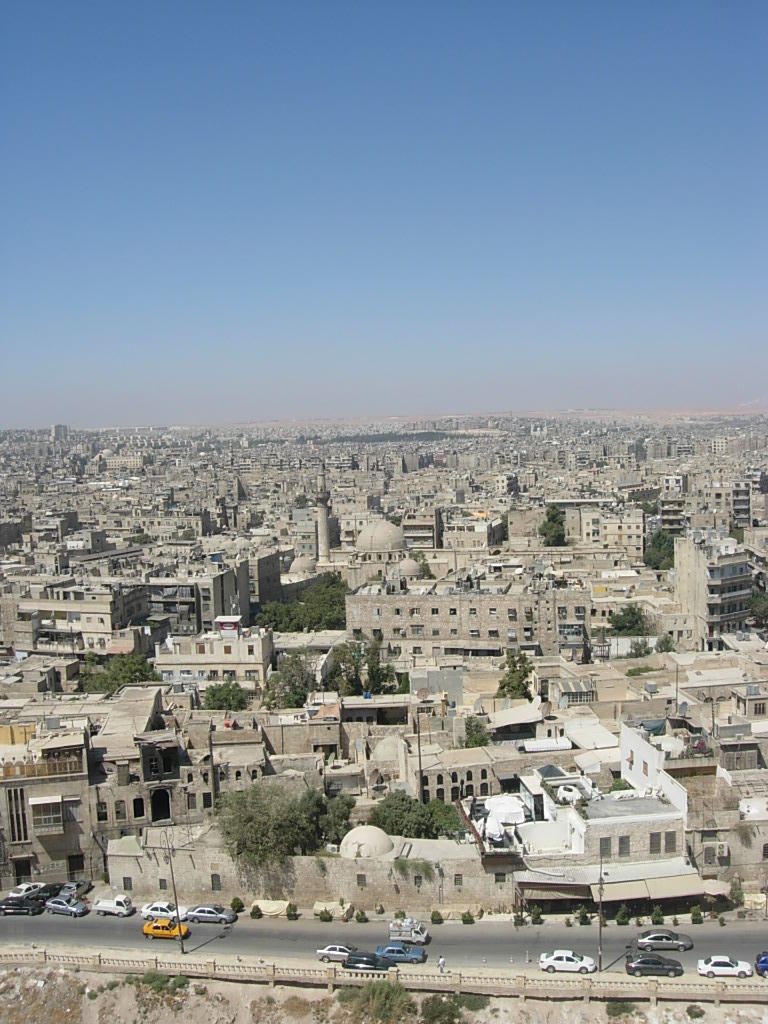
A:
(765, 851)
(250, 648)
(645, 768)
(215, 882)
(397, 611)
(709, 854)
(435, 632)
(120, 811)
(452, 611)
(483, 773)
(458, 881)
(417, 650)
(227, 648)
(435, 611)
(605, 847)
(201, 648)
(47, 816)
(127, 883)
(138, 807)
(655, 844)
(417, 880)
(493, 633)
(469, 776)
(361, 881)
(207, 800)
(191, 801)
(492, 612)
(623, 846)
(670, 842)
(512, 614)
(162, 883)
(154, 766)
(760, 708)
(101, 812)
(499, 877)
(439, 780)
(473, 611)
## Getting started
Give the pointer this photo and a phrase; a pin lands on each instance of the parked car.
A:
(211, 913)
(366, 962)
(402, 953)
(24, 889)
(163, 928)
(336, 953)
(117, 906)
(652, 963)
(20, 905)
(566, 960)
(663, 938)
(721, 966)
(761, 964)
(161, 908)
(75, 890)
(46, 892)
(72, 908)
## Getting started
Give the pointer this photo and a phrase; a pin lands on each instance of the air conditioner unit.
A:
(722, 849)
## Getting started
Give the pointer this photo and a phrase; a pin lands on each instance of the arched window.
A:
(765, 851)
(454, 777)
(440, 794)
(483, 773)
(469, 776)
(439, 780)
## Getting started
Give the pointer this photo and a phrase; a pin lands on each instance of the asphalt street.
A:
(483, 944)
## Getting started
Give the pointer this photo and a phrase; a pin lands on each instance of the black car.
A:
(22, 905)
(651, 963)
(47, 892)
(367, 962)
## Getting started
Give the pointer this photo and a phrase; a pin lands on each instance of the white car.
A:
(721, 966)
(25, 889)
(154, 911)
(566, 960)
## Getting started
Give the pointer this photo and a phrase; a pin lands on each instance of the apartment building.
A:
(194, 599)
(229, 652)
(713, 585)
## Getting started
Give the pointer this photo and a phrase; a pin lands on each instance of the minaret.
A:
(323, 540)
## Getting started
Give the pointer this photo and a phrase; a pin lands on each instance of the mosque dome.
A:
(410, 567)
(304, 563)
(380, 536)
(366, 841)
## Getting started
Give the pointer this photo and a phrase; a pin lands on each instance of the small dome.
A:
(380, 536)
(304, 563)
(366, 841)
(409, 567)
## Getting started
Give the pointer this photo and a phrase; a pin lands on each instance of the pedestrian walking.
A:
(441, 963)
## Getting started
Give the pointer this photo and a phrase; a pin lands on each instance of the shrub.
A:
(399, 915)
(157, 982)
(325, 915)
(535, 914)
(256, 912)
(721, 920)
(92, 993)
(619, 1008)
(737, 893)
(696, 915)
(657, 914)
(439, 1009)
(583, 915)
(291, 912)
(475, 1003)
(80, 990)
(382, 1002)
(467, 918)
(200, 990)
(568, 923)
(694, 1012)
(437, 917)
(639, 921)
(180, 981)
(675, 922)
(519, 919)
(237, 905)
(361, 917)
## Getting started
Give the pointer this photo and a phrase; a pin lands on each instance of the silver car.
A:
(336, 953)
(663, 938)
(72, 908)
(211, 913)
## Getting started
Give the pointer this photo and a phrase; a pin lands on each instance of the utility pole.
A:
(418, 738)
(169, 858)
(600, 889)
(677, 705)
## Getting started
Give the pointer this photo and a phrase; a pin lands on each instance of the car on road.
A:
(161, 908)
(663, 938)
(402, 953)
(336, 953)
(211, 913)
(74, 890)
(46, 892)
(566, 960)
(20, 905)
(24, 889)
(72, 908)
(721, 966)
(652, 963)
(163, 928)
(761, 964)
(366, 962)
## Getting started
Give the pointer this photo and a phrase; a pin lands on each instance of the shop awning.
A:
(36, 800)
(632, 890)
(675, 885)
(714, 887)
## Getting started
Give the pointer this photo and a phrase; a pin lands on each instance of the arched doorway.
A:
(161, 805)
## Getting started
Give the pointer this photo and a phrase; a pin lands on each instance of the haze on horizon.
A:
(270, 211)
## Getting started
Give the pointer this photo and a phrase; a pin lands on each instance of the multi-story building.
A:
(713, 584)
(230, 652)
(194, 600)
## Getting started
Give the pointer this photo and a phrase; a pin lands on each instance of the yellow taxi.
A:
(163, 928)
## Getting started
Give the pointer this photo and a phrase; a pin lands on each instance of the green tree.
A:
(426, 571)
(514, 683)
(759, 607)
(400, 815)
(262, 825)
(322, 606)
(445, 818)
(379, 677)
(122, 670)
(639, 649)
(346, 674)
(476, 734)
(660, 551)
(226, 696)
(552, 530)
(289, 686)
(334, 822)
(665, 644)
(301, 501)
(140, 538)
(629, 621)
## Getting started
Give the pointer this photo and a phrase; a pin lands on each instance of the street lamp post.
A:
(169, 860)
(600, 890)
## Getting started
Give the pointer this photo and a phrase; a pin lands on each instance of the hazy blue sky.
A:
(228, 211)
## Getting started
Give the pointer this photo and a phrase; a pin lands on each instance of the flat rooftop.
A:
(597, 809)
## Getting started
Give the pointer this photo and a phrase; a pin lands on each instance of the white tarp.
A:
(272, 908)
(508, 809)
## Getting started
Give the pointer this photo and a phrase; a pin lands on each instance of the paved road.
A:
(486, 943)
